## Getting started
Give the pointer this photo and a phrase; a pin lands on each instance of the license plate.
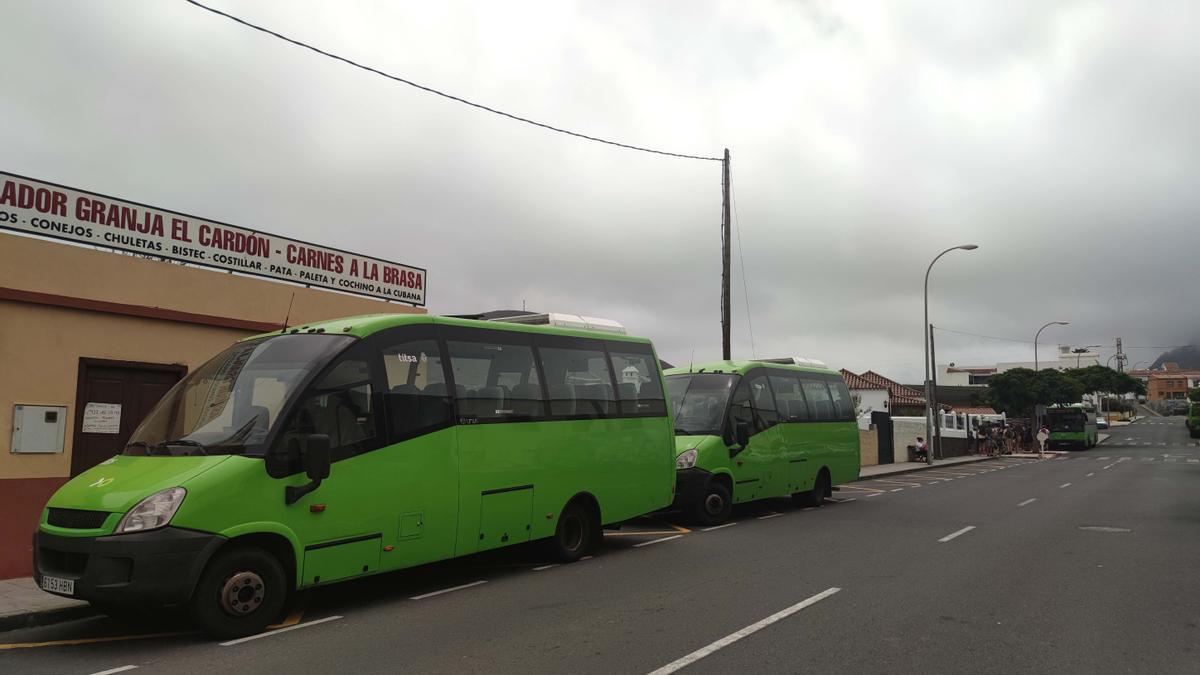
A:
(56, 585)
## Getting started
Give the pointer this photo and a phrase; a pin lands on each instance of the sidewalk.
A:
(878, 470)
(23, 604)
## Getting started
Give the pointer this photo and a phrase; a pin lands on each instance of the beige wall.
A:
(40, 344)
(868, 446)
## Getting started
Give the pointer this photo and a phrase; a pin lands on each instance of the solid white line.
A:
(695, 656)
(277, 631)
(658, 541)
(776, 515)
(545, 567)
(448, 590)
(956, 534)
(717, 527)
(1028, 501)
(115, 670)
(1064, 485)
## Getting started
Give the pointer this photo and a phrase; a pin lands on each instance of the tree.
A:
(1017, 391)
(1194, 395)
(1100, 378)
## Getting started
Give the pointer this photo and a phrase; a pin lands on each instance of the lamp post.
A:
(1035, 340)
(925, 327)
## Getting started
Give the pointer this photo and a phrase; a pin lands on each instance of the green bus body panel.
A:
(782, 460)
(118, 484)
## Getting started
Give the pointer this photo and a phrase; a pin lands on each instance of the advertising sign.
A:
(49, 210)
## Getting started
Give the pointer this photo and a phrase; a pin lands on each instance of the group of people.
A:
(990, 438)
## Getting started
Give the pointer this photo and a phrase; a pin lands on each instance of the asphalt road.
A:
(1085, 563)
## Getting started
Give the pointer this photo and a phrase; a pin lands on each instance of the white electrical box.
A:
(39, 428)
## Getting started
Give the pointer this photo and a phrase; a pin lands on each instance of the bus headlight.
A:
(686, 459)
(152, 512)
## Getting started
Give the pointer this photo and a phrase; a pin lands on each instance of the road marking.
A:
(115, 670)
(854, 499)
(1028, 501)
(896, 490)
(88, 641)
(545, 567)
(1064, 485)
(1089, 475)
(717, 527)
(695, 656)
(864, 489)
(776, 515)
(807, 508)
(1102, 528)
(283, 630)
(895, 482)
(639, 534)
(874, 494)
(959, 533)
(658, 541)
(1108, 466)
(448, 590)
(1194, 461)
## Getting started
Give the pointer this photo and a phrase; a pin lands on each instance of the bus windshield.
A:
(228, 405)
(699, 401)
(1066, 421)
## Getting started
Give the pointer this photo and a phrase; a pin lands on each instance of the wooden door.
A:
(135, 387)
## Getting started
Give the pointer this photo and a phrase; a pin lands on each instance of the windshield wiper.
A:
(185, 442)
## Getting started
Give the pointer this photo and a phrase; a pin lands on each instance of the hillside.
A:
(1187, 357)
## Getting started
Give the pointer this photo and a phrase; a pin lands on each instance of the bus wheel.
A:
(577, 533)
(241, 591)
(816, 496)
(715, 505)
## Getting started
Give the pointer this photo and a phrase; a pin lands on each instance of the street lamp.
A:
(928, 397)
(1035, 340)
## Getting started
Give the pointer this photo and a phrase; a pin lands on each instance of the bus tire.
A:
(715, 505)
(577, 533)
(241, 591)
(815, 497)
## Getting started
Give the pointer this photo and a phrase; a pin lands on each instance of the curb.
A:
(44, 617)
(920, 468)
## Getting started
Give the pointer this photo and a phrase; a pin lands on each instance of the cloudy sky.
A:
(866, 138)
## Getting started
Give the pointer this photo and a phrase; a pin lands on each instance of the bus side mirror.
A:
(741, 436)
(316, 466)
(316, 457)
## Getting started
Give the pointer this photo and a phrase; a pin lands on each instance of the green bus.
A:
(357, 446)
(754, 430)
(1072, 427)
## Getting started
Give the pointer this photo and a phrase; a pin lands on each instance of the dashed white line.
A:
(695, 656)
(115, 670)
(958, 533)
(776, 515)
(1028, 501)
(717, 527)
(874, 494)
(896, 490)
(1089, 475)
(545, 567)
(291, 628)
(657, 541)
(448, 590)
(1064, 485)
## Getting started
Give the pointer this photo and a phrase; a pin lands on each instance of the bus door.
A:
(755, 466)
(798, 450)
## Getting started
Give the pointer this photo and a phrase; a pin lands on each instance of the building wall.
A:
(868, 447)
(869, 400)
(60, 303)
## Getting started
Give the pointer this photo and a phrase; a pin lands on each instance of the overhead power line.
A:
(737, 227)
(443, 94)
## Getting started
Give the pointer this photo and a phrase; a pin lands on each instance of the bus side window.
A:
(417, 399)
(789, 398)
(340, 404)
(639, 386)
(579, 381)
(495, 381)
(819, 401)
(843, 405)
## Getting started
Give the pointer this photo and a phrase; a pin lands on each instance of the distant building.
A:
(977, 376)
(873, 391)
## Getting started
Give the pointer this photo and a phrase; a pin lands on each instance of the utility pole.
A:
(933, 404)
(725, 351)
